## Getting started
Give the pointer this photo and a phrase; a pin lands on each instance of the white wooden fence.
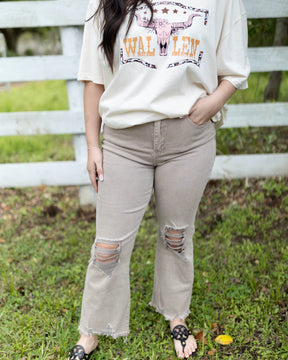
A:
(2, 45)
(69, 16)
(3, 53)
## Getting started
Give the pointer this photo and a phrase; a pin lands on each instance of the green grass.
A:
(36, 96)
(257, 83)
(240, 287)
(16, 149)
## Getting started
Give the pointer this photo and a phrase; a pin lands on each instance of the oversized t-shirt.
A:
(160, 70)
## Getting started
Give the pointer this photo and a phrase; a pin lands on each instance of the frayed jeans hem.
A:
(114, 335)
(182, 316)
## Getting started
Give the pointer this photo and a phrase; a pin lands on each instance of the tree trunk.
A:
(11, 37)
(271, 91)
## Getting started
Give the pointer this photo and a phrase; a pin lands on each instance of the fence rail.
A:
(68, 122)
(69, 15)
(72, 12)
(55, 67)
(75, 173)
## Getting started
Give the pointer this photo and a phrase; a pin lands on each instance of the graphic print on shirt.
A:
(169, 19)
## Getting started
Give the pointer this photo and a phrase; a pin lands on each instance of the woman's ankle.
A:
(175, 322)
(89, 342)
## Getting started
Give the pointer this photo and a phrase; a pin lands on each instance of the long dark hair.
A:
(114, 12)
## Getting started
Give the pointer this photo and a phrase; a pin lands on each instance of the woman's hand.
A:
(206, 107)
(203, 109)
(94, 166)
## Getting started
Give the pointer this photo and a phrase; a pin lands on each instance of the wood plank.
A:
(72, 12)
(71, 39)
(262, 114)
(35, 68)
(268, 58)
(42, 13)
(43, 173)
(72, 122)
(74, 173)
(254, 165)
(54, 67)
(42, 122)
(266, 9)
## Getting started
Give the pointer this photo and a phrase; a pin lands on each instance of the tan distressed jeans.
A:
(175, 158)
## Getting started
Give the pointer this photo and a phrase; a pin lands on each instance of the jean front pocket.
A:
(207, 123)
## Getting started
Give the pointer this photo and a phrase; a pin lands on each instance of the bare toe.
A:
(181, 336)
(190, 346)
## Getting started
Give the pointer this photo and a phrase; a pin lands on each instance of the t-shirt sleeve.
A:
(232, 53)
(90, 65)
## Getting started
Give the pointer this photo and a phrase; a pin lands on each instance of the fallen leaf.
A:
(199, 337)
(224, 339)
(212, 352)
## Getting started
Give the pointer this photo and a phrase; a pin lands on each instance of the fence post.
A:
(3, 53)
(71, 39)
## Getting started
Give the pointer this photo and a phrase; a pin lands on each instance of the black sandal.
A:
(78, 353)
(181, 333)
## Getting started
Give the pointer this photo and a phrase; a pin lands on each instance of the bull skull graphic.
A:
(163, 29)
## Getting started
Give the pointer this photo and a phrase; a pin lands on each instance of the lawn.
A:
(240, 251)
(240, 288)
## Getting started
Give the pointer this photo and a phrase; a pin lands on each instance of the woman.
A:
(158, 75)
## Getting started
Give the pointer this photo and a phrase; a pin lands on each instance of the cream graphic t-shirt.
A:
(160, 70)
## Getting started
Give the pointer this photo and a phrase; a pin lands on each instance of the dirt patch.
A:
(218, 196)
(8, 86)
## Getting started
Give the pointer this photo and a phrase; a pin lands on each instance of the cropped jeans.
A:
(175, 158)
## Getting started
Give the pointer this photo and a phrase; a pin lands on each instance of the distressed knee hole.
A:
(106, 252)
(106, 256)
(174, 239)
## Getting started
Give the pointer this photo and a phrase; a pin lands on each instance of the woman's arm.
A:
(206, 107)
(92, 95)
